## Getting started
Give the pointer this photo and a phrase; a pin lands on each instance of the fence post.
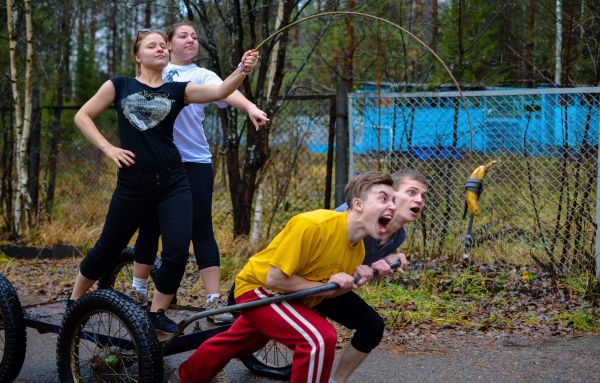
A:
(341, 140)
(330, 149)
(598, 208)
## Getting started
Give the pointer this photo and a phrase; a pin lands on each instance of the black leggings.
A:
(168, 195)
(206, 250)
(352, 312)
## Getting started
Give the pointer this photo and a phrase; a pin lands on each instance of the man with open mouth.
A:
(313, 249)
(349, 309)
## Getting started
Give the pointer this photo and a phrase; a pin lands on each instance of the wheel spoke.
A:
(274, 354)
(97, 356)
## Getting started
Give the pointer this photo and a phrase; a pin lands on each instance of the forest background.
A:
(54, 55)
(59, 53)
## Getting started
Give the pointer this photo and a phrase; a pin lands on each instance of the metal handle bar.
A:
(263, 302)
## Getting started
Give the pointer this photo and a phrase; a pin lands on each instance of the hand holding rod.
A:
(263, 302)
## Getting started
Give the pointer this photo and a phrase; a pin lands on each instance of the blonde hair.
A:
(135, 47)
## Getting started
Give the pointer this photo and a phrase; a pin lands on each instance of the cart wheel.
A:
(231, 300)
(274, 361)
(13, 337)
(107, 338)
(118, 277)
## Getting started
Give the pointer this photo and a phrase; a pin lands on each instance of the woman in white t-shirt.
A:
(190, 139)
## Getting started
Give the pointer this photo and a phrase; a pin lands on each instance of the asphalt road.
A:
(557, 359)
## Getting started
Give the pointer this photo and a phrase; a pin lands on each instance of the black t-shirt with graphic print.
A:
(146, 116)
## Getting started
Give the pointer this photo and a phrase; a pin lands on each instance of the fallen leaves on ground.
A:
(490, 301)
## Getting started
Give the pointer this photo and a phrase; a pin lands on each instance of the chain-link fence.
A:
(297, 177)
(299, 173)
(539, 202)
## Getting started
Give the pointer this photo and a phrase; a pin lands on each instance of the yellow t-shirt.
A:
(312, 245)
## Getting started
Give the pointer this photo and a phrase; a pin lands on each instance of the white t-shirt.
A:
(188, 132)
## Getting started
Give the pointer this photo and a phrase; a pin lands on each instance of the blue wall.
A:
(500, 124)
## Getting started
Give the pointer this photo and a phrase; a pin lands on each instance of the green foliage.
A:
(577, 284)
(5, 260)
(472, 40)
(582, 319)
(86, 71)
(464, 299)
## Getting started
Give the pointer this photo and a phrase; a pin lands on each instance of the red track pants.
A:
(308, 334)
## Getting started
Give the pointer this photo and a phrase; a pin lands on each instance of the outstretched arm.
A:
(203, 94)
(239, 101)
(84, 119)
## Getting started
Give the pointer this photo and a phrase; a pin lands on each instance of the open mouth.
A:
(384, 220)
(415, 210)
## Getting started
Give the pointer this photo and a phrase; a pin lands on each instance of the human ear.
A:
(357, 204)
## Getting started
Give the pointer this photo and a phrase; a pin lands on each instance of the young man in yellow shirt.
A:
(313, 249)
(349, 309)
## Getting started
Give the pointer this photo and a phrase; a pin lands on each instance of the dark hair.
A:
(360, 184)
(401, 175)
(135, 47)
(171, 30)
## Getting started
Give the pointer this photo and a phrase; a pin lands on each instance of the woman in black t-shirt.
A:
(151, 177)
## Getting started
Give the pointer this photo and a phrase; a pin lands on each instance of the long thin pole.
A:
(262, 302)
(410, 34)
(598, 212)
(469, 237)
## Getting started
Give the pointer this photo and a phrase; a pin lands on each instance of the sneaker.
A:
(139, 297)
(174, 378)
(162, 323)
(224, 318)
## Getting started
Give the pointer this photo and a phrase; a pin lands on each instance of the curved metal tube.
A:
(410, 34)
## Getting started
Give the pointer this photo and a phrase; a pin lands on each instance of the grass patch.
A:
(582, 320)
(443, 298)
(5, 260)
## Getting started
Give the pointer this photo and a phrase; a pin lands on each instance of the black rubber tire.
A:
(13, 335)
(107, 313)
(231, 300)
(118, 275)
(273, 361)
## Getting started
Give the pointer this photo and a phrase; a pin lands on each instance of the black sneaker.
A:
(162, 323)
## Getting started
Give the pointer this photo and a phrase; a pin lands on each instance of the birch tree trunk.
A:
(22, 203)
(258, 202)
(529, 57)
(558, 45)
